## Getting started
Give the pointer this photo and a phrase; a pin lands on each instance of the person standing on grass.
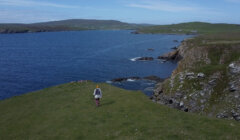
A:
(97, 95)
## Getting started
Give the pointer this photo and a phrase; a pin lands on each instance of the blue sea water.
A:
(33, 61)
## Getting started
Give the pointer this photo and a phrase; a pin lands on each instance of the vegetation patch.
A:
(192, 28)
(68, 112)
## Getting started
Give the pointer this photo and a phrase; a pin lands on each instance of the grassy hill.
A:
(90, 24)
(66, 25)
(68, 112)
(191, 28)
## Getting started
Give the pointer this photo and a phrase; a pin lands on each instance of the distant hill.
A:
(191, 28)
(67, 25)
(91, 24)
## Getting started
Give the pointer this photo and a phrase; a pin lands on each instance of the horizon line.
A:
(115, 20)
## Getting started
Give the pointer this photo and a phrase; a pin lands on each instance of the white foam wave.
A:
(131, 80)
(135, 59)
(109, 82)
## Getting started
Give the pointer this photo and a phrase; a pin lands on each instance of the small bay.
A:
(33, 61)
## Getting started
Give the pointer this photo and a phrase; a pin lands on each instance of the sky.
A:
(131, 11)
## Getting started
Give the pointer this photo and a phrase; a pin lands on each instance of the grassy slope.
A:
(66, 25)
(68, 112)
(184, 28)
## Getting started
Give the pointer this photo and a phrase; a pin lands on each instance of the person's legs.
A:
(97, 101)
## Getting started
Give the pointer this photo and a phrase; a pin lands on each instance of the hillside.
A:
(206, 80)
(69, 112)
(191, 28)
(66, 25)
(89, 24)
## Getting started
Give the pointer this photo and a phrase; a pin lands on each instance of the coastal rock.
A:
(119, 79)
(125, 79)
(170, 56)
(145, 59)
(163, 61)
(234, 68)
(216, 91)
(232, 87)
(181, 104)
(185, 109)
(154, 78)
(8, 31)
(201, 75)
(237, 118)
(150, 49)
(212, 82)
(159, 89)
(174, 48)
(222, 115)
(135, 32)
(190, 75)
(235, 115)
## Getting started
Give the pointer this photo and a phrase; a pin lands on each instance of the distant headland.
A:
(92, 24)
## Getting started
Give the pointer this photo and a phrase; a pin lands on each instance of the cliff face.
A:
(206, 81)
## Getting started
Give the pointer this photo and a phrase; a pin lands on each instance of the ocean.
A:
(33, 61)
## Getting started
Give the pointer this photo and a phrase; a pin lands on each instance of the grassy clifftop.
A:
(191, 28)
(68, 112)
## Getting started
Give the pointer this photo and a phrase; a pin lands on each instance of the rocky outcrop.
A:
(154, 78)
(174, 48)
(178, 52)
(206, 81)
(8, 31)
(150, 49)
(234, 67)
(135, 32)
(145, 59)
(125, 79)
(170, 56)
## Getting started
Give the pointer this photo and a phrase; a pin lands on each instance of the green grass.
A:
(67, 25)
(191, 28)
(68, 112)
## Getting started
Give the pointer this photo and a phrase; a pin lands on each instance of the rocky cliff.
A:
(206, 81)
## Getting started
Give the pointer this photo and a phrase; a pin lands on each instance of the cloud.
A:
(26, 16)
(183, 6)
(34, 3)
(162, 6)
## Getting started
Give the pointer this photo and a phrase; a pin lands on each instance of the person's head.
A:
(97, 86)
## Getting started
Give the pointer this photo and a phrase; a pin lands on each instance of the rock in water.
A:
(145, 59)
(119, 79)
(150, 49)
(125, 79)
(154, 78)
(174, 48)
(135, 32)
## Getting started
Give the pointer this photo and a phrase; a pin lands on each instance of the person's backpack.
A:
(97, 92)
